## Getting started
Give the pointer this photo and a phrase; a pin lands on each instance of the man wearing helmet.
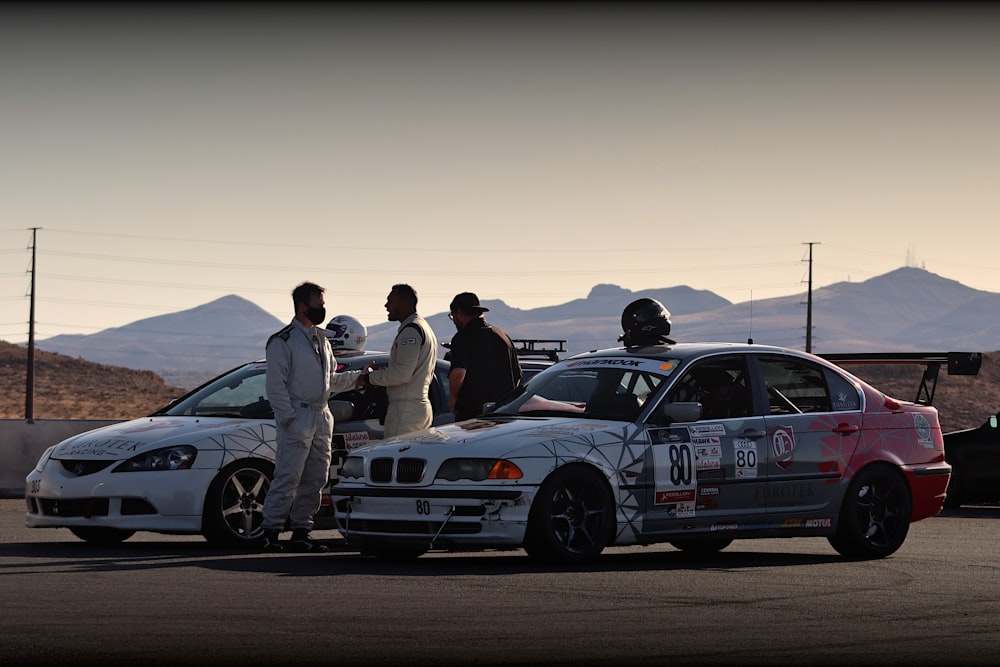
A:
(407, 378)
(347, 335)
(645, 322)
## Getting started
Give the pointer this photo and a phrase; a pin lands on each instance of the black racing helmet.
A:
(645, 322)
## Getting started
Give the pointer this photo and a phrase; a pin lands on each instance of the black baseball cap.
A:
(467, 301)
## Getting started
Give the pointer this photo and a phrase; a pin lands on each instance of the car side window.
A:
(796, 386)
(721, 386)
(843, 393)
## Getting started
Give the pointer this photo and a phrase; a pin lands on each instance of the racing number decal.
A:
(680, 465)
(675, 481)
(746, 458)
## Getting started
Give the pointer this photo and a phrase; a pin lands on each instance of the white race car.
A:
(201, 465)
(693, 444)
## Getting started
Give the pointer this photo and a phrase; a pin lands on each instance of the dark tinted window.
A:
(720, 384)
(797, 386)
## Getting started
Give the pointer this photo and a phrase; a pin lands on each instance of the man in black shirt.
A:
(484, 365)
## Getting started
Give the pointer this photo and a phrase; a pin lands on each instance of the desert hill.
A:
(72, 388)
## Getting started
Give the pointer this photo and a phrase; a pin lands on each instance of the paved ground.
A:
(156, 600)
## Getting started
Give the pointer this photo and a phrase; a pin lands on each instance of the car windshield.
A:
(600, 390)
(241, 392)
(238, 393)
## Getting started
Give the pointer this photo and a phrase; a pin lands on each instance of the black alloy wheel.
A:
(572, 518)
(875, 515)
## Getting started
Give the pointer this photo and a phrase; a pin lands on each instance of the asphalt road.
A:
(158, 600)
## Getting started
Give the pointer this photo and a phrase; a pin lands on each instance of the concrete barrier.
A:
(22, 444)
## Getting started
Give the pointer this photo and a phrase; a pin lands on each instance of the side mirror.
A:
(342, 410)
(669, 413)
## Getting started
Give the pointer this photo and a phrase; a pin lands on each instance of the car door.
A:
(813, 422)
(709, 472)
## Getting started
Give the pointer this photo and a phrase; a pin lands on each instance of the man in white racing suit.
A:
(411, 365)
(301, 373)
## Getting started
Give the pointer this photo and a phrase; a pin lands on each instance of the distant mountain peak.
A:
(607, 290)
(903, 310)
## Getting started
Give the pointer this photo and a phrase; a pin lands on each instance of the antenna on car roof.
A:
(750, 337)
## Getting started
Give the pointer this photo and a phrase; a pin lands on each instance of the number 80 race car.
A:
(691, 444)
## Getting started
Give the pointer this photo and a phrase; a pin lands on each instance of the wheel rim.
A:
(243, 502)
(577, 515)
(881, 506)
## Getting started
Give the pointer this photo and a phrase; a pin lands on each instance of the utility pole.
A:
(809, 300)
(29, 391)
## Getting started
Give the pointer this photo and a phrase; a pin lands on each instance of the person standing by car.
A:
(484, 365)
(411, 365)
(301, 373)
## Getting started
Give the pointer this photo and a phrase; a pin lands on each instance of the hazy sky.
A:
(177, 154)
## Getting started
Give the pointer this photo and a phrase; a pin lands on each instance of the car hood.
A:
(125, 440)
(498, 437)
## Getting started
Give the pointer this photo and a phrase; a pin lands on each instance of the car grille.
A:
(408, 471)
(81, 468)
(428, 528)
(90, 507)
(86, 508)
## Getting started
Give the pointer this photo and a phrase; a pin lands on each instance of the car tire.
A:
(701, 546)
(875, 514)
(572, 518)
(234, 504)
(98, 536)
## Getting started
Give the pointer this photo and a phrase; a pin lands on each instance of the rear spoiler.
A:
(958, 363)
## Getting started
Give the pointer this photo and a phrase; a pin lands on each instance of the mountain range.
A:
(908, 309)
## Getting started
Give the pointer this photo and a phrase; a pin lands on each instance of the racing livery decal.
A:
(923, 431)
(782, 446)
(674, 478)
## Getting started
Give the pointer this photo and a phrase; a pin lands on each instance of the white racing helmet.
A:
(346, 333)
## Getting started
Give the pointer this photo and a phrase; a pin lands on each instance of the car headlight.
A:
(180, 457)
(40, 466)
(477, 470)
(354, 467)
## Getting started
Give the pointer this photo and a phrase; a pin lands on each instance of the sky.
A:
(156, 158)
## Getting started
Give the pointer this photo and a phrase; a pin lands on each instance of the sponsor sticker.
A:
(355, 439)
(923, 428)
(782, 445)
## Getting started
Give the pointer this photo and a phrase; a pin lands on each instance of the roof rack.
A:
(525, 347)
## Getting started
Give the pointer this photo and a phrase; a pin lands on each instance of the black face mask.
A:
(316, 315)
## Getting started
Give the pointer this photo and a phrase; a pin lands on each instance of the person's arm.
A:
(455, 379)
(400, 370)
(276, 380)
(343, 380)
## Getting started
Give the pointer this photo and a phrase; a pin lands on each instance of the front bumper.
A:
(454, 518)
(166, 501)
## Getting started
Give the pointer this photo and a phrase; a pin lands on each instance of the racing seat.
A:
(721, 395)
